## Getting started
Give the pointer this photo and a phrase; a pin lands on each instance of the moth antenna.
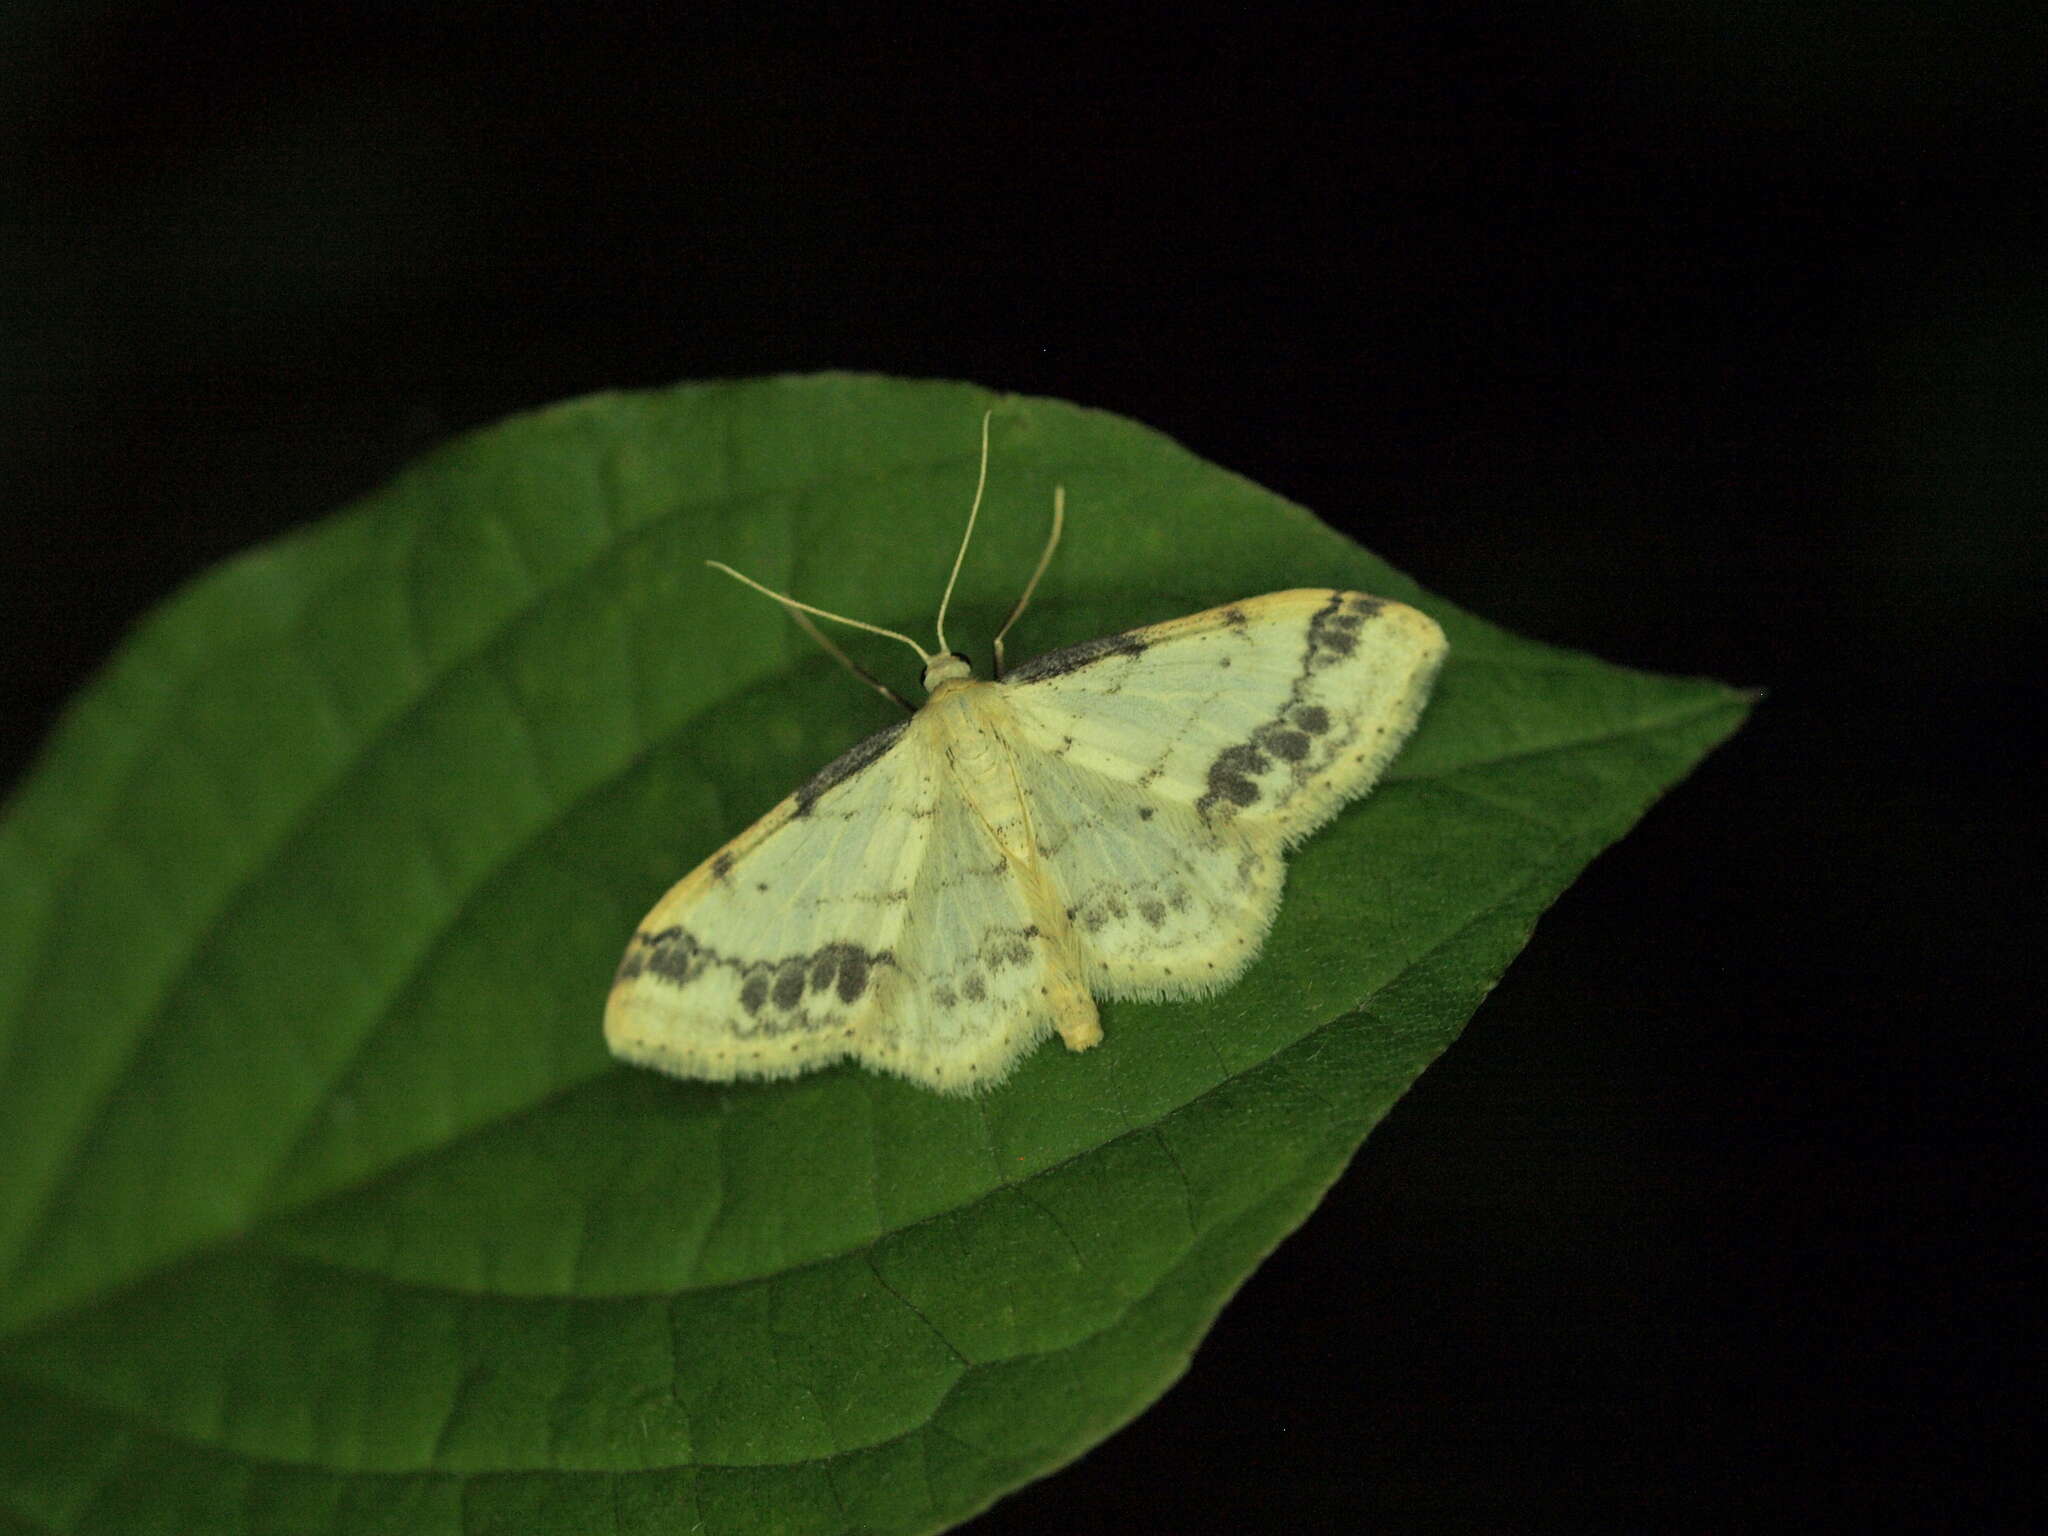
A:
(1052, 542)
(825, 644)
(981, 481)
(837, 618)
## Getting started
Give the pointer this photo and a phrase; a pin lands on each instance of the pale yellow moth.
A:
(1108, 820)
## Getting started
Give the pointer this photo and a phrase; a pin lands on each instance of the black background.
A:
(1709, 339)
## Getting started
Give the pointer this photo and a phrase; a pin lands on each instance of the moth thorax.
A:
(950, 667)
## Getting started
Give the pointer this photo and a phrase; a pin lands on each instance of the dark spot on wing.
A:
(1229, 778)
(721, 866)
(1234, 617)
(1144, 813)
(1241, 759)
(973, 988)
(846, 765)
(853, 973)
(1312, 718)
(1323, 634)
(824, 967)
(1282, 743)
(1154, 912)
(771, 989)
(789, 984)
(672, 955)
(656, 952)
(1227, 786)
(1074, 657)
(1008, 953)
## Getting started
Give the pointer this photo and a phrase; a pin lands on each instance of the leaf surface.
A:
(324, 1209)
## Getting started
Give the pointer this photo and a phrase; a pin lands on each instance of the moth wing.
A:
(779, 953)
(1162, 902)
(1265, 715)
(1170, 767)
(977, 969)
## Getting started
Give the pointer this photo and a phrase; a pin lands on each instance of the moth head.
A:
(947, 667)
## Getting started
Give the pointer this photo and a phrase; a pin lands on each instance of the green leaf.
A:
(323, 1207)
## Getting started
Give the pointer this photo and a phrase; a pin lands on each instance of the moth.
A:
(1109, 820)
